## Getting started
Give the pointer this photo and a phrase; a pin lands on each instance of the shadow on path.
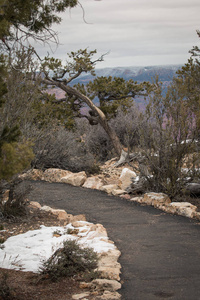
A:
(160, 252)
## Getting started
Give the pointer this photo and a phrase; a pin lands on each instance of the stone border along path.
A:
(101, 288)
(160, 252)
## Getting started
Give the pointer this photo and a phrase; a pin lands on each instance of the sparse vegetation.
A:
(70, 260)
(15, 206)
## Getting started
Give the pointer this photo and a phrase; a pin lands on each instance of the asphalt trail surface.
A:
(160, 252)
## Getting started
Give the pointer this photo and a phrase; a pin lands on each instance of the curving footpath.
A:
(160, 252)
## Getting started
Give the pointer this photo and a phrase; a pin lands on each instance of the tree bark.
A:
(101, 116)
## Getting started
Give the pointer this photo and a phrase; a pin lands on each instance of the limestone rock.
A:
(184, 208)
(32, 174)
(46, 208)
(34, 204)
(125, 196)
(105, 284)
(78, 223)
(76, 179)
(55, 175)
(97, 231)
(59, 213)
(93, 183)
(137, 199)
(85, 285)
(125, 178)
(80, 296)
(108, 265)
(77, 218)
(118, 192)
(112, 273)
(107, 295)
(109, 188)
(156, 199)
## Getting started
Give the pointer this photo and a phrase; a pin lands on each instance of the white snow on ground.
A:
(27, 251)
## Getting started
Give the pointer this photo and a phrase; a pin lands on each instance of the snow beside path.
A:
(27, 251)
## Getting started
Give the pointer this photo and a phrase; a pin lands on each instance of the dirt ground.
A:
(18, 285)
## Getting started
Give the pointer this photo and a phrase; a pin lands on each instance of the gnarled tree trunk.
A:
(100, 115)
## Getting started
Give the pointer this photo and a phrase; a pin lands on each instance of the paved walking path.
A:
(160, 253)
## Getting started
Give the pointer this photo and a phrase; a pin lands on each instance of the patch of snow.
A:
(27, 251)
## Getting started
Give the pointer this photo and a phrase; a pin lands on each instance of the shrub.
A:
(14, 158)
(169, 156)
(63, 149)
(70, 260)
(16, 204)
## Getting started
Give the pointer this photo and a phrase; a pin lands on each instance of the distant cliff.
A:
(140, 74)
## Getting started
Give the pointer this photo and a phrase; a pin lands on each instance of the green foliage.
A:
(35, 16)
(77, 63)
(9, 135)
(112, 93)
(70, 260)
(15, 157)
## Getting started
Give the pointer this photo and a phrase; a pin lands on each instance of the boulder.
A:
(105, 284)
(55, 175)
(59, 213)
(33, 174)
(118, 192)
(125, 178)
(137, 199)
(78, 223)
(109, 188)
(107, 295)
(111, 273)
(184, 209)
(97, 231)
(34, 204)
(156, 199)
(80, 296)
(93, 183)
(77, 218)
(125, 196)
(76, 179)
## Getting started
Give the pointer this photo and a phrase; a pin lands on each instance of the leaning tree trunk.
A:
(101, 116)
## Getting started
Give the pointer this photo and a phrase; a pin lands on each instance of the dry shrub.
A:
(70, 260)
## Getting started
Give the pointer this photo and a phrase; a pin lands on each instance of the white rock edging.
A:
(122, 180)
(87, 234)
(162, 201)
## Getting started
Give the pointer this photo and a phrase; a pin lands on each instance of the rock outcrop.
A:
(76, 179)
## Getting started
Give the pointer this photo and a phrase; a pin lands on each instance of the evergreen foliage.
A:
(15, 157)
(30, 16)
(70, 260)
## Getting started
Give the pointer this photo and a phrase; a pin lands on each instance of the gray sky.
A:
(134, 32)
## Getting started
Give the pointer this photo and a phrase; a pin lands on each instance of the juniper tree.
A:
(111, 93)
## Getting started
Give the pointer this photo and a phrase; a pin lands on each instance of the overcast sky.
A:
(134, 32)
